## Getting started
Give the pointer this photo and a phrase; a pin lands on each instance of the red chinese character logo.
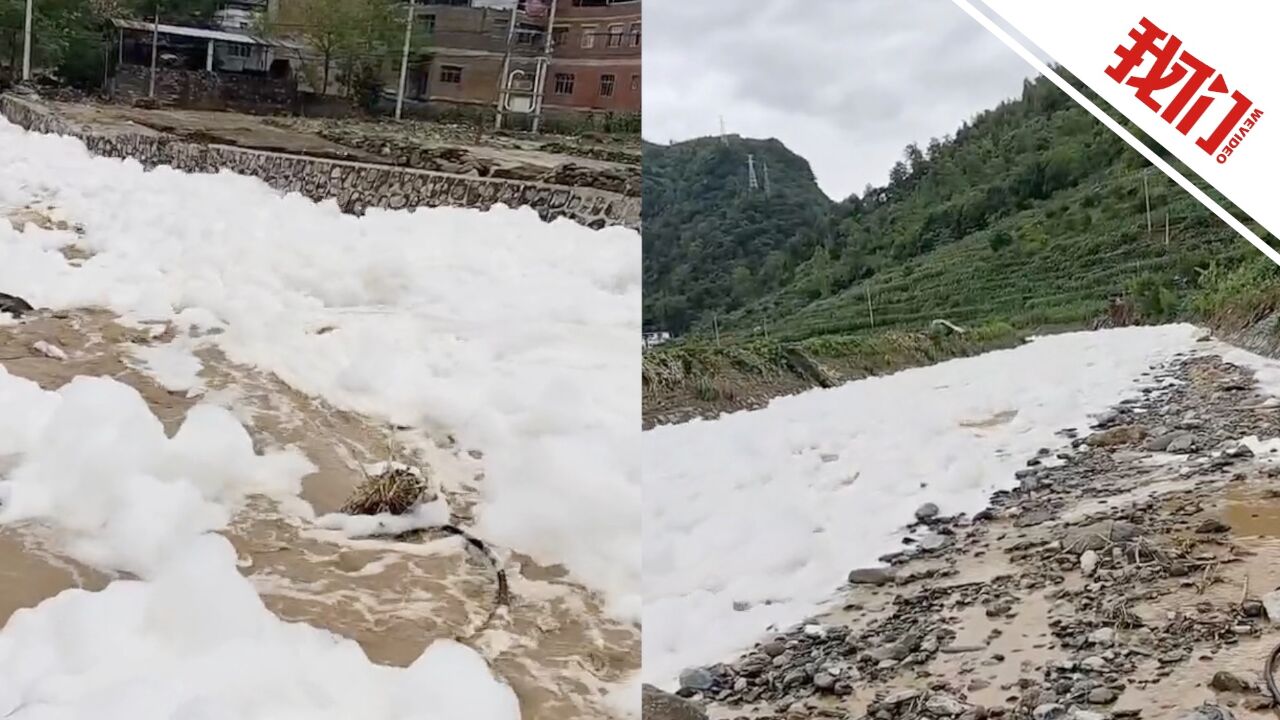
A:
(1171, 67)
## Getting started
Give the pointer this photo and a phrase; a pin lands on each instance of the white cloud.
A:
(845, 83)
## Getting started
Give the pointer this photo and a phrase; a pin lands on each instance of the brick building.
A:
(594, 67)
(466, 47)
(595, 58)
(596, 61)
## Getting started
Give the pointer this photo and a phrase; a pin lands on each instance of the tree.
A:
(170, 10)
(357, 35)
(1027, 215)
(68, 34)
(743, 283)
(1000, 239)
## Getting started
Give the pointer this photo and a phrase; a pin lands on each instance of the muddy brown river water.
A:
(554, 644)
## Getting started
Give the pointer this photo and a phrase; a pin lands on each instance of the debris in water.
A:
(14, 305)
(395, 490)
(49, 350)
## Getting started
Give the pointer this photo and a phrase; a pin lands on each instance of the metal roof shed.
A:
(212, 36)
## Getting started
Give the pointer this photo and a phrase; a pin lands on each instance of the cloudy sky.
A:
(844, 83)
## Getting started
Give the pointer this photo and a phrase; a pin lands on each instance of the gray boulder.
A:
(658, 705)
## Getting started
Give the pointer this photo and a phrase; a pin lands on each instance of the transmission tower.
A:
(764, 170)
(724, 139)
(752, 181)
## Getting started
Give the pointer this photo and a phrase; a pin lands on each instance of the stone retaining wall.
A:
(202, 90)
(355, 186)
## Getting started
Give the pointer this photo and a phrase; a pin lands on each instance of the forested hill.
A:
(1032, 214)
(708, 237)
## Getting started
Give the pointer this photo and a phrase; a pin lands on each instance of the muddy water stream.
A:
(554, 645)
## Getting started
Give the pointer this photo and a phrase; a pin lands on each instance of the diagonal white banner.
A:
(1196, 79)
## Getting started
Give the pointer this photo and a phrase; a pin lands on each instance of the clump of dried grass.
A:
(395, 490)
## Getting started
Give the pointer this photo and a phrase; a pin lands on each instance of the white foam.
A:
(173, 365)
(427, 515)
(515, 335)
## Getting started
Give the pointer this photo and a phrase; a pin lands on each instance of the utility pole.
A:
(544, 65)
(504, 81)
(764, 169)
(155, 42)
(404, 60)
(870, 309)
(26, 45)
(1166, 227)
(715, 326)
(1147, 195)
(753, 182)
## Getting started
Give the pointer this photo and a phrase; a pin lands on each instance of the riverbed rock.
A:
(14, 305)
(1271, 603)
(1227, 681)
(1088, 562)
(1102, 696)
(1049, 711)
(934, 541)
(1099, 535)
(941, 705)
(658, 705)
(1160, 440)
(1208, 712)
(1103, 637)
(1184, 443)
(697, 679)
(872, 576)
(900, 697)
(1212, 526)
(1120, 435)
(927, 512)
(1095, 664)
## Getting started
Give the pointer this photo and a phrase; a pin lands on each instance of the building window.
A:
(558, 35)
(635, 83)
(635, 34)
(528, 36)
(451, 74)
(606, 85)
(427, 23)
(564, 83)
(615, 35)
(588, 36)
(240, 51)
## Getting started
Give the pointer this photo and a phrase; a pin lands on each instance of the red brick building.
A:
(595, 57)
(595, 64)
(465, 49)
(461, 47)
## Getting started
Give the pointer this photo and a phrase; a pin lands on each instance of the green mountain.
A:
(708, 236)
(1033, 215)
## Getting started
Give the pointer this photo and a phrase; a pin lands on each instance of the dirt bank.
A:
(694, 381)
